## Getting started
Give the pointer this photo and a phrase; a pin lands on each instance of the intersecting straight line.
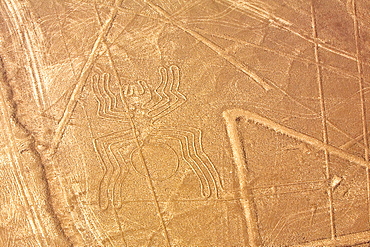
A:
(250, 116)
(15, 13)
(163, 19)
(16, 165)
(219, 50)
(321, 45)
(362, 98)
(231, 116)
(352, 239)
(323, 121)
(134, 128)
(81, 80)
(212, 45)
(287, 26)
(100, 22)
(246, 194)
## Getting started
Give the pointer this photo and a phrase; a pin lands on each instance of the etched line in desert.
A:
(184, 123)
(232, 118)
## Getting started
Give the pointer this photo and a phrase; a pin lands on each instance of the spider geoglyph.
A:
(148, 148)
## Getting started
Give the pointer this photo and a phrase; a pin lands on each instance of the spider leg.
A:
(191, 162)
(112, 98)
(141, 89)
(173, 98)
(195, 157)
(114, 149)
(107, 100)
(159, 92)
(145, 88)
(110, 163)
(199, 147)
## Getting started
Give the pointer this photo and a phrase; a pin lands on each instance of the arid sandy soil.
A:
(184, 123)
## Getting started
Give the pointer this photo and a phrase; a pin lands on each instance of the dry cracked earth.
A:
(184, 123)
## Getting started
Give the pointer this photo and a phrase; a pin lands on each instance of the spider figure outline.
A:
(139, 107)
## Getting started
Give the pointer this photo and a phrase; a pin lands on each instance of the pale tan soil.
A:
(184, 123)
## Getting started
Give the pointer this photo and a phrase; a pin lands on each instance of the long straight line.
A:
(324, 123)
(247, 199)
(26, 196)
(23, 29)
(81, 81)
(137, 142)
(345, 240)
(116, 73)
(321, 45)
(216, 48)
(250, 116)
(362, 98)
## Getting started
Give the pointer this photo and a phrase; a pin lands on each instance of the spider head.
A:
(137, 94)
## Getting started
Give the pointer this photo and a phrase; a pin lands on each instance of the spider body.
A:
(153, 151)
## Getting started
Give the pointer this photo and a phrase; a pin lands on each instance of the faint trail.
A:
(320, 43)
(323, 122)
(187, 6)
(356, 140)
(61, 26)
(353, 239)
(82, 79)
(30, 37)
(150, 181)
(292, 219)
(281, 53)
(119, 226)
(282, 24)
(362, 99)
(16, 165)
(269, 84)
(273, 85)
(255, 118)
(216, 48)
(134, 131)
